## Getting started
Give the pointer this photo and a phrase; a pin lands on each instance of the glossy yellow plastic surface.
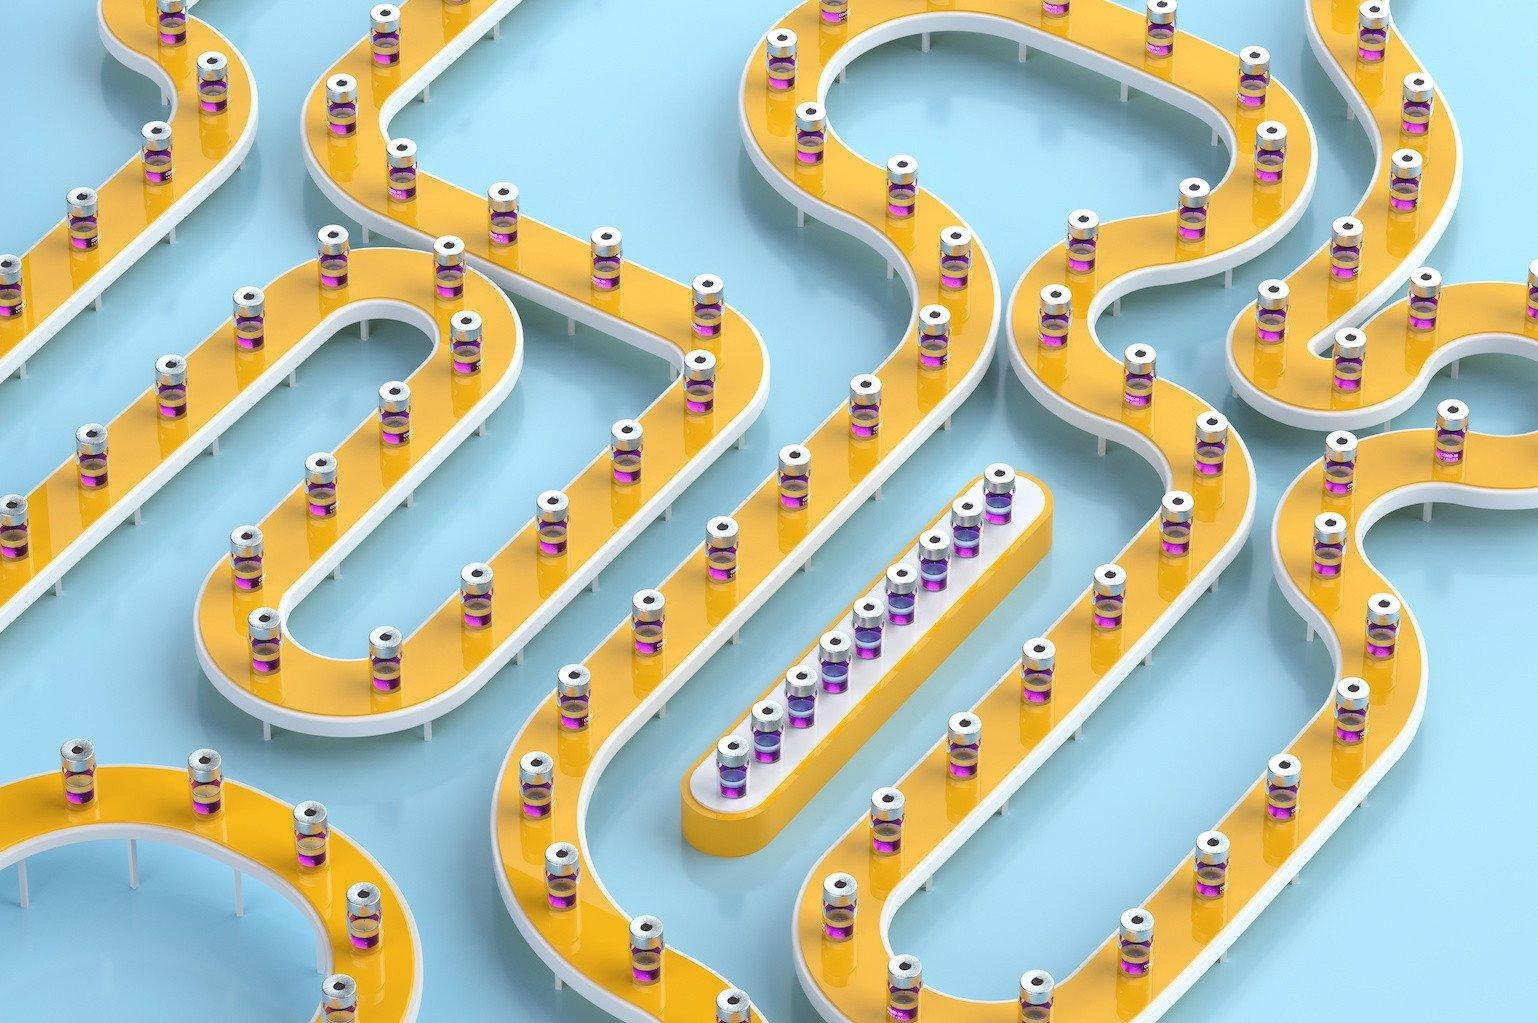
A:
(257, 827)
(1290, 372)
(219, 373)
(440, 655)
(52, 271)
(592, 937)
(740, 833)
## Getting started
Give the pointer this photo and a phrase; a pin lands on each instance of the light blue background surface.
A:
(605, 111)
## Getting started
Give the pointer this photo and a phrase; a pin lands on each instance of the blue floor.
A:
(651, 145)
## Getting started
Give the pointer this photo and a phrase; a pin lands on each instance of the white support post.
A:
(558, 985)
(171, 235)
(1308, 635)
(662, 711)
(592, 587)
(1148, 658)
(22, 889)
(742, 441)
(518, 659)
(139, 515)
(336, 573)
(1100, 446)
(427, 92)
(571, 326)
(1125, 92)
(98, 303)
(322, 954)
(1426, 512)
(133, 864)
(1025, 52)
(667, 514)
(737, 638)
(496, 31)
(1214, 587)
(891, 271)
(1116, 308)
(480, 431)
(929, 883)
(800, 217)
(21, 372)
(1078, 733)
(1003, 810)
(363, 330)
(1452, 370)
(58, 587)
(293, 378)
(266, 731)
(1228, 278)
(367, 234)
(240, 893)
(806, 566)
(1214, 138)
(843, 75)
(878, 495)
(411, 499)
(946, 426)
(427, 732)
(924, 42)
(213, 449)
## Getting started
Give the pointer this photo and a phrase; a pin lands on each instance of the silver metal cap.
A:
(625, 435)
(886, 804)
(648, 605)
(309, 817)
(264, 624)
(203, 765)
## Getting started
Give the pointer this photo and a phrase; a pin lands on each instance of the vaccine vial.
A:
(552, 510)
(365, 918)
(250, 318)
(1382, 625)
(1346, 249)
(902, 586)
(171, 387)
(536, 784)
(1037, 660)
(320, 485)
(886, 821)
(1176, 510)
(14, 531)
(1211, 442)
(449, 267)
(1271, 301)
(1254, 76)
(1211, 864)
(864, 406)
(563, 870)
(1270, 152)
(1348, 354)
(963, 744)
(213, 82)
(608, 258)
(91, 455)
(902, 186)
(732, 767)
(721, 538)
(625, 452)
(155, 152)
(795, 477)
(868, 620)
(1419, 98)
(1351, 698)
(1284, 775)
(384, 659)
(840, 900)
(1404, 187)
(768, 732)
(709, 305)
(955, 257)
(1036, 989)
(801, 697)
(967, 527)
(1110, 597)
(1452, 431)
(475, 585)
(646, 621)
(342, 105)
(1425, 296)
(264, 631)
(311, 833)
(171, 22)
(1339, 463)
(1191, 222)
(395, 413)
(780, 58)
(904, 987)
(465, 341)
(935, 559)
(77, 765)
(339, 999)
(1329, 544)
(699, 382)
(1138, 374)
(811, 133)
(646, 950)
(205, 780)
(1372, 32)
(834, 650)
(1532, 290)
(1159, 35)
(574, 696)
(1136, 940)
(10, 286)
(1083, 238)
(332, 253)
(733, 1006)
(385, 38)
(401, 180)
(84, 228)
(998, 494)
(502, 213)
(1056, 314)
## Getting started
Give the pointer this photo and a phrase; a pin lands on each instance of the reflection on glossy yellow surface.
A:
(739, 833)
(128, 206)
(259, 828)
(440, 655)
(1289, 372)
(1086, 377)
